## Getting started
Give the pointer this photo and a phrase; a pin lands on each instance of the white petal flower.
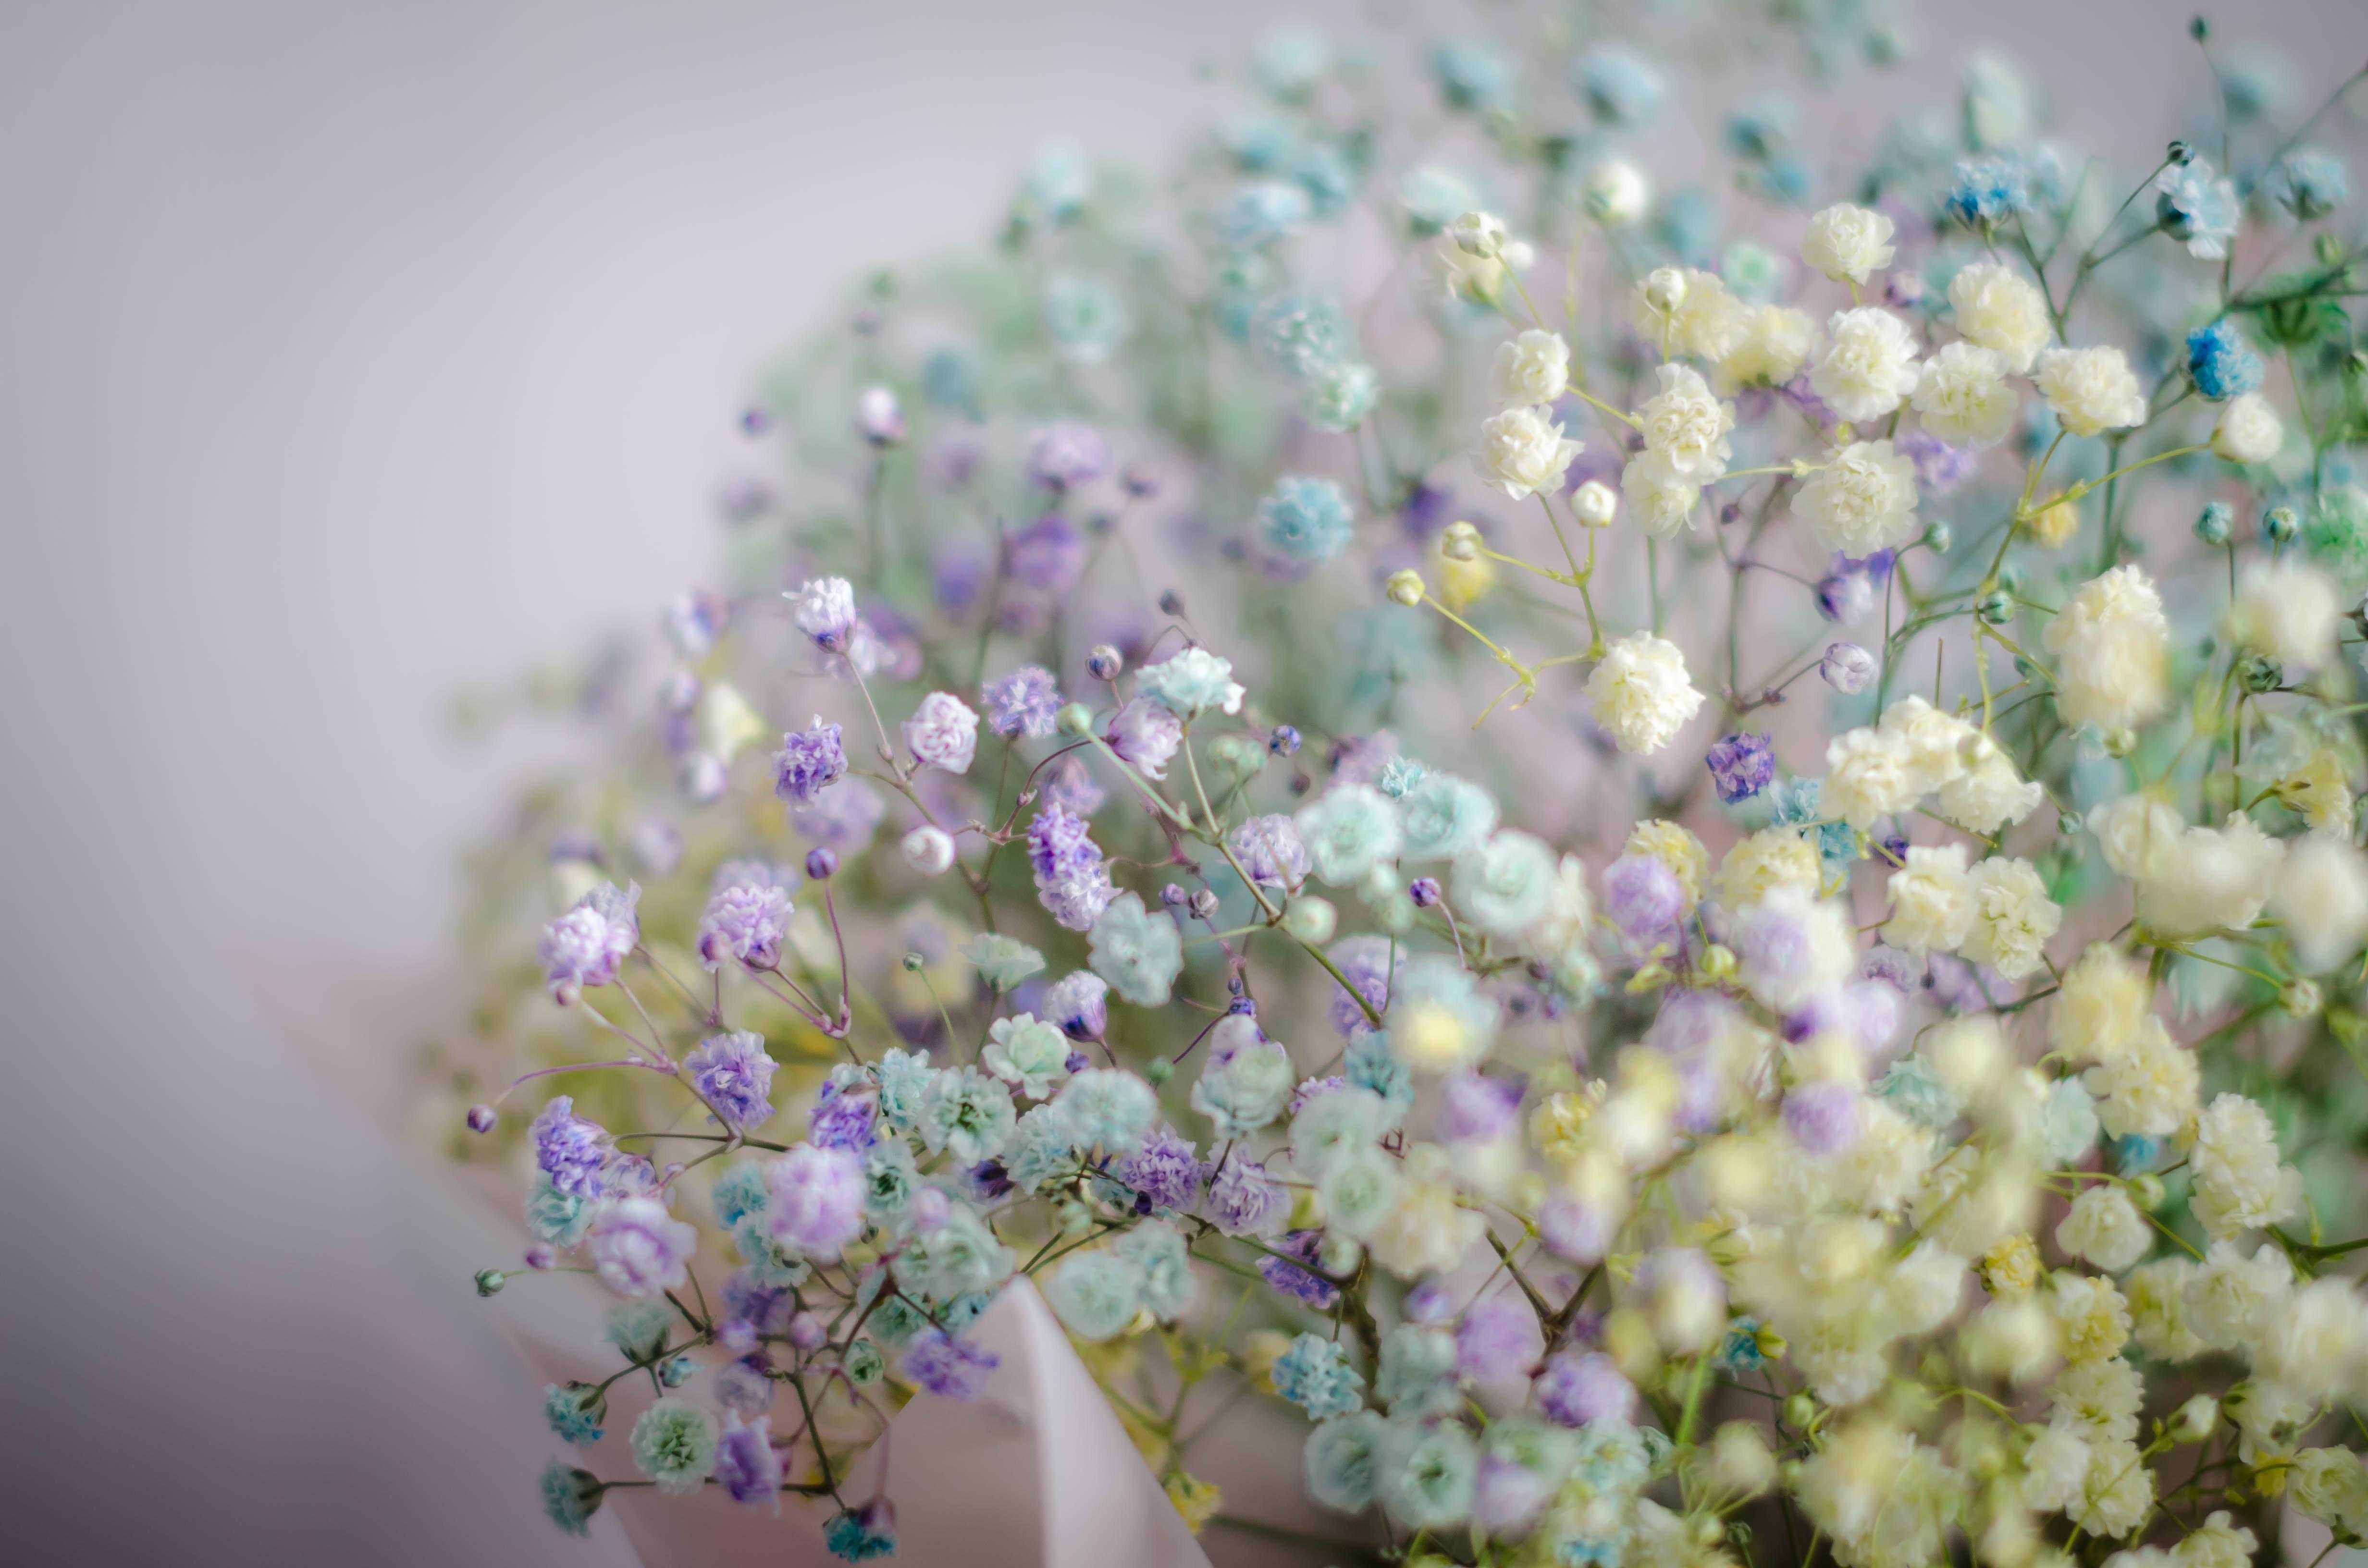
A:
(1524, 453)
(1660, 498)
(2001, 309)
(1863, 500)
(1868, 367)
(1964, 396)
(2091, 390)
(1640, 693)
(1533, 369)
(1846, 242)
(2113, 644)
(1686, 426)
(2249, 431)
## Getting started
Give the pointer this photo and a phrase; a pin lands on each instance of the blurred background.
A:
(351, 353)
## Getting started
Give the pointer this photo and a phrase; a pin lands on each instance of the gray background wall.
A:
(348, 351)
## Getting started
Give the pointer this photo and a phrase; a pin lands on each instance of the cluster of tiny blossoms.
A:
(1687, 871)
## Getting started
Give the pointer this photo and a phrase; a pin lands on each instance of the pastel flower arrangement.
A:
(1688, 867)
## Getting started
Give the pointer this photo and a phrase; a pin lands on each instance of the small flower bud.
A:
(2279, 524)
(1283, 741)
(1997, 608)
(1425, 891)
(1904, 290)
(1595, 503)
(821, 863)
(1173, 895)
(2299, 998)
(929, 851)
(678, 693)
(481, 1119)
(736, 1334)
(1171, 603)
(2260, 673)
(1665, 289)
(1847, 668)
(914, 964)
(2121, 741)
(1139, 483)
(541, 1255)
(1204, 904)
(754, 422)
(808, 1331)
(1479, 233)
(1104, 663)
(1160, 1071)
(2180, 153)
(2195, 1419)
(2147, 1192)
(1405, 588)
(490, 1280)
(1075, 719)
(1460, 543)
(2067, 822)
(2216, 524)
(1800, 1411)
(879, 419)
(1616, 193)
(1311, 919)
(1939, 537)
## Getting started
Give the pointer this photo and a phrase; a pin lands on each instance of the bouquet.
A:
(1666, 830)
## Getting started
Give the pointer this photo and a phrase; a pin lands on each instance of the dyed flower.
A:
(2220, 364)
(967, 1112)
(1846, 243)
(1066, 454)
(1861, 501)
(589, 944)
(569, 1150)
(1095, 1293)
(1269, 851)
(1314, 1375)
(1987, 191)
(1077, 1003)
(2090, 390)
(1305, 519)
(1031, 1056)
(746, 918)
(944, 732)
(1138, 952)
(1524, 453)
(2000, 309)
(733, 1073)
(1243, 1201)
(1108, 1110)
(824, 608)
(1048, 556)
(1640, 693)
(1192, 683)
(1145, 733)
(816, 1199)
(639, 1249)
(1164, 1172)
(1868, 366)
(809, 761)
(1741, 766)
(1350, 829)
(1023, 704)
(1584, 1391)
(2197, 209)
(947, 1365)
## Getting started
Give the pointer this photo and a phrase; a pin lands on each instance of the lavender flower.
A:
(735, 1076)
(1585, 1390)
(1847, 668)
(639, 1249)
(843, 1117)
(745, 1463)
(1822, 1117)
(746, 916)
(1048, 556)
(1476, 1109)
(1071, 880)
(1371, 964)
(810, 761)
(944, 732)
(586, 945)
(1066, 454)
(1296, 1282)
(948, 1367)
(1643, 898)
(1023, 703)
(1940, 467)
(817, 1199)
(569, 1150)
(824, 608)
(1741, 766)
(1497, 1338)
(1165, 1171)
(1146, 734)
(1245, 1201)
(1271, 851)
(1078, 1002)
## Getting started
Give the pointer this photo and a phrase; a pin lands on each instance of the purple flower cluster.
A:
(843, 1117)
(569, 1149)
(1071, 880)
(1022, 704)
(948, 1367)
(1080, 1003)
(735, 1076)
(1579, 1390)
(1365, 963)
(1146, 735)
(1497, 1339)
(1643, 898)
(586, 945)
(1271, 851)
(1244, 1200)
(1296, 1282)
(1741, 765)
(745, 1463)
(767, 1309)
(746, 916)
(1165, 1171)
(810, 761)
(1474, 1109)
(1068, 786)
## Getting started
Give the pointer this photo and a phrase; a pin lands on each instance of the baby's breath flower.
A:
(1868, 366)
(1524, 453)
(1640, 693)
(2090, 390)
(1846, 243)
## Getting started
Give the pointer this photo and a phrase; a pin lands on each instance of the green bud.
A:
(2260, 673)
(2327, 250)
(1937, 539)
(1076, 719)
(2121, 742)
(2067, 822)
(1160, 1071)
(1996, 608)
(914, 964)
(1800, 1410)
(2279, 524)
(490, 1280)
(2147, 1192)
(1311, 919)
(2216, 524)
